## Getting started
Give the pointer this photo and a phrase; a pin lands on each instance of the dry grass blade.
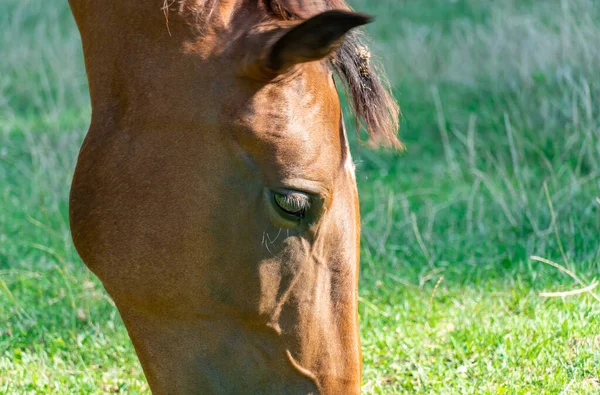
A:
(570, 274)
(435, 288)
(575, 292)
(372, 306)
(422, 245)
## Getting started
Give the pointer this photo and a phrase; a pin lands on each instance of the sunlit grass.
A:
(501, 119)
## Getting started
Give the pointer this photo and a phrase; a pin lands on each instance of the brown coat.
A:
(214, 194)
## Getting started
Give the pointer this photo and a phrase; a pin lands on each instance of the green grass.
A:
(502, 122)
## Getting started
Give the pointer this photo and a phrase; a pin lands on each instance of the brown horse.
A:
(215, 195)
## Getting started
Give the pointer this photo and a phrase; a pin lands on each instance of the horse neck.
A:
(167, 17)
(134, 50)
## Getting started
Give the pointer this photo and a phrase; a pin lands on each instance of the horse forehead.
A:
(296, 106)
(294, 124)
(280, 107)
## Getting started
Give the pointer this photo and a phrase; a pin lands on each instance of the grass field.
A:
(501, 104)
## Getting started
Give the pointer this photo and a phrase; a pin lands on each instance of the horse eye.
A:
(293, 203)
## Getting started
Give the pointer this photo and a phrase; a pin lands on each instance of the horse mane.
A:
(364, 81)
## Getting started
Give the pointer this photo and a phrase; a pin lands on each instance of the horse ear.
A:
(278, 50)
(313, 39)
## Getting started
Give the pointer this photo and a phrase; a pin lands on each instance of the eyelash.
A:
(294, 204)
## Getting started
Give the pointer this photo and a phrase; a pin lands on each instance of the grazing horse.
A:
(214, 194)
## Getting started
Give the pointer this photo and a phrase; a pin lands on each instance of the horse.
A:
(215, 194)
